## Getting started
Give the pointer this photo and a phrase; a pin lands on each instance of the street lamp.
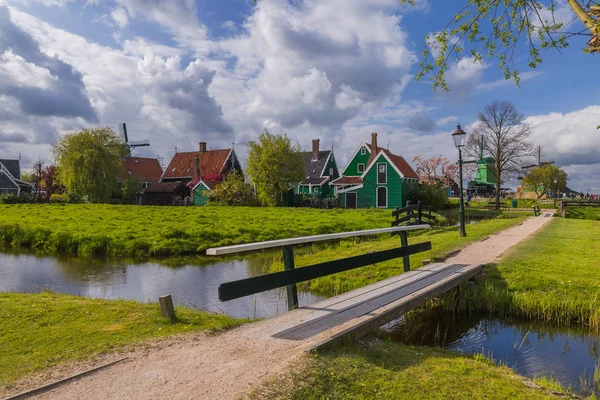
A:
(460, 138)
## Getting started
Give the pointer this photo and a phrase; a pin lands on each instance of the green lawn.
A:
(44, 329)
(120, 230)
(382, 369)
(592, 213)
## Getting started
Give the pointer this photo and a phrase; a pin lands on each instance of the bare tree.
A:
(38, 167)
(505, 135)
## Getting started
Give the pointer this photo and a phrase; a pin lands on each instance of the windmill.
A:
(131, 144)
(539, 162)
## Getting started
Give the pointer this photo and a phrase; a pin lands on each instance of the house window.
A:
(331, 172)
(363, 151)
(382, 197)
(382, 173)
(316, 190)
(361, 168)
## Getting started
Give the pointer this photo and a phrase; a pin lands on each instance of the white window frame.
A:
(382, 183)
(358, 168)
(363, 151)
(377, 197)
(331, 171)
(316, 189)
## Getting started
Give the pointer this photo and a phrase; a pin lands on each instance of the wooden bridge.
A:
(355, 313)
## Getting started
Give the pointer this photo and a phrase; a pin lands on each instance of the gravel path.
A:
(229, 365)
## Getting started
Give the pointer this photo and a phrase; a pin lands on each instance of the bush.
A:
(13, 199)
(233, 191)
(433, 195)
(60, 198)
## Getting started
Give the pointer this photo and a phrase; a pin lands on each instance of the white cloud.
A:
(15, 69)
(119, 15)
(525, 76)
(463, 77)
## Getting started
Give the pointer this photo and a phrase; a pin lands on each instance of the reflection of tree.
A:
(94, 270)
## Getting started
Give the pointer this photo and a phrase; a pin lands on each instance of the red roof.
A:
(162, 187)
(348, 180)
(398, 161)
(145, 169)
(183, 164)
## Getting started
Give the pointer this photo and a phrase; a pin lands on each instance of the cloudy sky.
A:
(222, 71)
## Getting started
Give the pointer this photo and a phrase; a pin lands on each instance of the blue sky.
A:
(179, 72)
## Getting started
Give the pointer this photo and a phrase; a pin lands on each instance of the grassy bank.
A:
(43, 329)
(382, 369)
(118, 230)
(444, 240)
(592, 213)
(551, 277)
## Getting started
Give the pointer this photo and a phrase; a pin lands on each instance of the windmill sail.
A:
(133, 143)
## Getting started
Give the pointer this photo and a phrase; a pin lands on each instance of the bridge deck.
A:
(355, 313)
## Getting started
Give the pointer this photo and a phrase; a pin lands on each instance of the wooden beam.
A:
(257, 284)
(217, 251)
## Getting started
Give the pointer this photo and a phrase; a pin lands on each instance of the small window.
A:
(363, 151)
(381, 173)
(330, 171)
(361, 168)
(316, 190)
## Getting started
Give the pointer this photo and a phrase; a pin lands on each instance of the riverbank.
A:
(139, 231)
(42, 330)
(377, 368)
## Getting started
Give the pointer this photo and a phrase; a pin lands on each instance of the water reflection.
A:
(190, 285)
(532, 349)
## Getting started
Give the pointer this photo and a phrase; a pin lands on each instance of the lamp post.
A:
(460, 138)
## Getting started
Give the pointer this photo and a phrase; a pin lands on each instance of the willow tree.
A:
(496, 28)
(545, 178)
(89, 162)
(504, 134)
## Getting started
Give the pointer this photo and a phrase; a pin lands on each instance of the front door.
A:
(382, 197)
(350, 200)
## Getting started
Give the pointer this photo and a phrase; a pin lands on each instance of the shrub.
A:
(433, 195)
(13, 199)
(59, 198)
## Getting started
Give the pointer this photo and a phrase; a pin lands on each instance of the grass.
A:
(382, 369)
(444, 240)
(592, 213)
(137, 231)
(551, 277)
(40, 330)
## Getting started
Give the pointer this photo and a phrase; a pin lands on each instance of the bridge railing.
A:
(411, 216)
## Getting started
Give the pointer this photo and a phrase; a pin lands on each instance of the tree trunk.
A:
(497, 173)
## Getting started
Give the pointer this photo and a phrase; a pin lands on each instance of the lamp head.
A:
(460, 137)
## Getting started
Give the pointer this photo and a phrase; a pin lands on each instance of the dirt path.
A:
(229, 365)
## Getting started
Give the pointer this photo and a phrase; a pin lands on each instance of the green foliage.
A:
(22, 198)
(42, 330)
(502, 30)
(130, 188)
(60, 198)
(592, 213)
(382, 369)
(233, 191)
(83, 228)
(540, 180)
(89, 162)
(433, 195)
(274, 164)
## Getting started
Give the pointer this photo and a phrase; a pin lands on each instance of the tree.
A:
(50, 182)
(542, 178)
(233, 191)
(496, 28)
(130, 188)
(36, 176)
(436, 170)
(273, 165)
(505, 135)
(89, 162)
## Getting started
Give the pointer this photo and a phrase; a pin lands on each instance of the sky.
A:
(179, 72)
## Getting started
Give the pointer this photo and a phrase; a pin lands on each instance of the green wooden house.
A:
(375, 177)
(320, 169)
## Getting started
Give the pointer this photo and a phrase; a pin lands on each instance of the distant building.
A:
(320, 169)
(11, 179)
(146, 170)
(375, 177)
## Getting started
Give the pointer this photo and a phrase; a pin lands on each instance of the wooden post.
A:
(288, 264)
(419, 211)
(166, 306)
(404, 242)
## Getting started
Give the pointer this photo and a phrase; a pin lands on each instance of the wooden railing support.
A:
(288, 265)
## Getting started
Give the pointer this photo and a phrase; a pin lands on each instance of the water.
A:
(190, 285)
(531, 349)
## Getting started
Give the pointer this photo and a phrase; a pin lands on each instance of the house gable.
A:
(361, 156)
(8, 184)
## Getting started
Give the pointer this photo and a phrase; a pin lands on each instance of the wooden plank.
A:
(216, 251)
(257, 284)
(363, 305)
(404, 219)
(406, 209)
(394, 310)
(320, 312)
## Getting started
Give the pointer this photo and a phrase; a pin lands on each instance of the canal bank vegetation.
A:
(574, 212)
(134, 231)
(378, 368)
(40, 330)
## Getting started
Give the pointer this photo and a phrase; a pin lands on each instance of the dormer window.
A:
(360, 168)
(363, 151)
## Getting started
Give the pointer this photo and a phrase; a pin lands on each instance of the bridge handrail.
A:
(239, 248)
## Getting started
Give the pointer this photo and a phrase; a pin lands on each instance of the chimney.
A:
(315, 150)
(202, 147)
(374, 143)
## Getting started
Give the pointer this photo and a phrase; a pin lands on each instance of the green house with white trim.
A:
(320, 169)
(375, 177)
